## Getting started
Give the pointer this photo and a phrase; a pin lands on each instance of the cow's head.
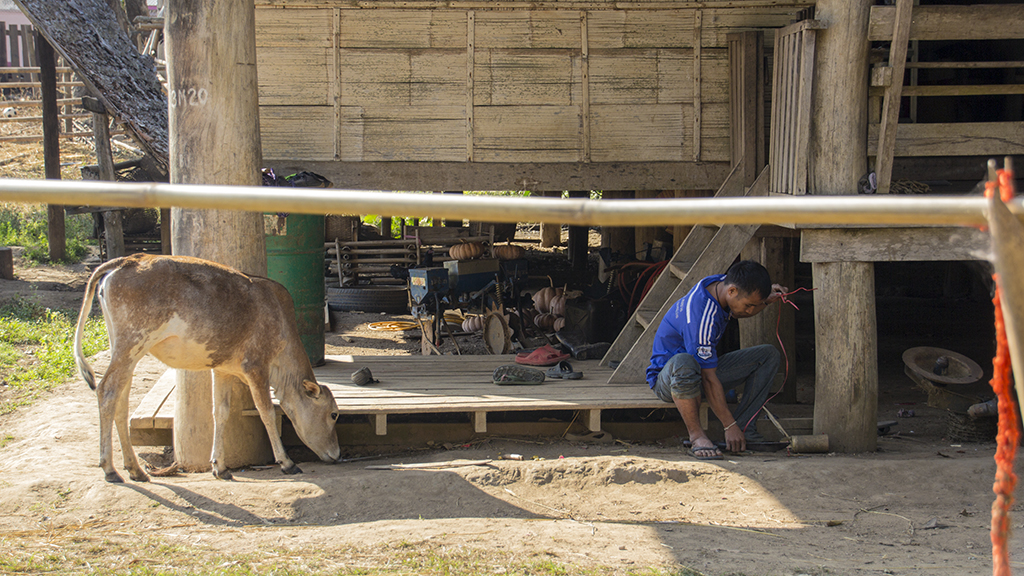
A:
(313, 414)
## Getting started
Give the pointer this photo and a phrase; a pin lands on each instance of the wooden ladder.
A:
(891, 77)
(706, 250)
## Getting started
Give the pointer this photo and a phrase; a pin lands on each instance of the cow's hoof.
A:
(294, 469)
(224, 475)
(113, 478)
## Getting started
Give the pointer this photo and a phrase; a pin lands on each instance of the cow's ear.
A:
(312, 389)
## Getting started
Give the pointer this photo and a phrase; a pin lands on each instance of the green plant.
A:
(36, 348)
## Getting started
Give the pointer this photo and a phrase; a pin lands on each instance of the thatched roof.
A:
(86, 33)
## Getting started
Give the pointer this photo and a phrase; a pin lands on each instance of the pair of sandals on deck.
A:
(516, 375)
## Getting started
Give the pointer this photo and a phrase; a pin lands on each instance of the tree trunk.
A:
(215, 139)
(846, 379)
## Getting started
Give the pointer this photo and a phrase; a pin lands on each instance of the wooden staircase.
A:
(706, 250)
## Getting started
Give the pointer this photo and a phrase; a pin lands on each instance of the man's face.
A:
(744, 304)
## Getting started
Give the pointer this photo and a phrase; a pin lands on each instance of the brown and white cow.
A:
(193, 314)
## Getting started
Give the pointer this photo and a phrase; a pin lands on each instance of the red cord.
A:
(785, 355)
(1009, 434)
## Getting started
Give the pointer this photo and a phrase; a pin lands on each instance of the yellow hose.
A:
(393, 325)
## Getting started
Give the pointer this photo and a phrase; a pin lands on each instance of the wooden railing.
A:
(791, 107)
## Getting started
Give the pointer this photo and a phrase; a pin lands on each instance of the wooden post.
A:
(51, 143)
(619, 238)
(778, 321)
(578, 243)
(112, 223)
(165, 231)
(644, 234)
(846, 379)
(215, 139)
(550, 232)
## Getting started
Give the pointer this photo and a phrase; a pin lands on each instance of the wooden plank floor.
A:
(438, 384)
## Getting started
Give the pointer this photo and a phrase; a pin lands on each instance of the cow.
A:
(192, 314)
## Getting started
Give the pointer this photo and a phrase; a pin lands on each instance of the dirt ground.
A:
(919, 505)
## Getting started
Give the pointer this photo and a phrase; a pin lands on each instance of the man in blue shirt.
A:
(685, 361)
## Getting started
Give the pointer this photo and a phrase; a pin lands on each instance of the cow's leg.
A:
(112, 395)
(261, 398)
(131, 461)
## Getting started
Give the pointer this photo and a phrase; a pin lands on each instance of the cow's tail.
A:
(90, 291)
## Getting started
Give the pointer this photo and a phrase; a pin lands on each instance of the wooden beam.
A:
(981, 22)
(959, 90)
(513, 176)
(503, 175)
(893, 244)
(954, 139)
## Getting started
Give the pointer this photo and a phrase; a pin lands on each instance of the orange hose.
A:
(1009, 434)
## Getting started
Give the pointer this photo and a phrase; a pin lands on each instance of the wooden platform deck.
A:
(432, 384)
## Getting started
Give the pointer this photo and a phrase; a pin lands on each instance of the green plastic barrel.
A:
(295, 258)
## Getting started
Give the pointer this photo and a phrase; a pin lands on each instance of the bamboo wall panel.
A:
(528, 29)
(461, 83)
(527, 133)
(404, 29)
(640, 29)
(637, 76)
(409, 134)
(651, 133)
(305, 27)
(294, 76)
(403, 77)
(526, 78)
(280, 126)
(714, 73)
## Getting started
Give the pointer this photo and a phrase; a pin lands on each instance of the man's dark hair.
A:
(750, 277)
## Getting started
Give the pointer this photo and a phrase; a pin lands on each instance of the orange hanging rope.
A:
(1009, 433)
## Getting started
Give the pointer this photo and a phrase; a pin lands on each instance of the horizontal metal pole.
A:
(864, 210)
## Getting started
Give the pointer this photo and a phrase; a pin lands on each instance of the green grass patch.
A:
(37, 348)
(26, 225)
(95, 554)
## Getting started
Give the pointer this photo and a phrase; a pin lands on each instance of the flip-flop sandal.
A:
(599, 437)
(512, 375)
(696, 453)
(563, 371)
(543, 356)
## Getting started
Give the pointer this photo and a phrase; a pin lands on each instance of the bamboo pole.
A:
(871, 211)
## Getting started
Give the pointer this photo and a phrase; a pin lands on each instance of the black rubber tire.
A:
(390, 299)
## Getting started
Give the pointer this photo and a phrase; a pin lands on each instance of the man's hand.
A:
(734, 439)
(777, 293)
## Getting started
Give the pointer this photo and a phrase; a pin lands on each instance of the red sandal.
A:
(546, 355)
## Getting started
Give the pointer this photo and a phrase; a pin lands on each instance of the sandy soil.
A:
(919, 505)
